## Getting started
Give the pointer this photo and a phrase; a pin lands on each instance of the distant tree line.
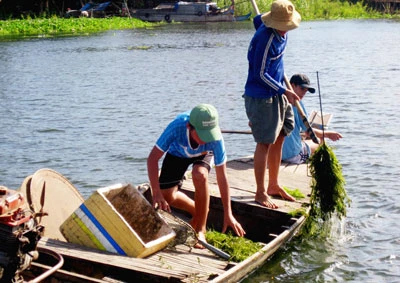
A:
(45, 8)
(36, 8)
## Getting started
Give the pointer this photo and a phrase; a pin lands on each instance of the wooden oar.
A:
(236, 132)
(303, 116)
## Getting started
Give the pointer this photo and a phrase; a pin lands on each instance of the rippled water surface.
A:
(91, 108)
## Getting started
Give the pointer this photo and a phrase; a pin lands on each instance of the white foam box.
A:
(118, 219)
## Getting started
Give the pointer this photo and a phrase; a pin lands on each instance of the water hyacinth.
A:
(54, 26)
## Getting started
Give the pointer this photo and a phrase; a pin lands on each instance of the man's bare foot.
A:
(202, 237)
(279, 192)
(264, 200)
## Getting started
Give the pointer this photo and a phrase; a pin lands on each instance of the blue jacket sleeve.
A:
(257, 21)
(262, 65)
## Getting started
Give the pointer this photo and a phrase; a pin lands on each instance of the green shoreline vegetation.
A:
(55, 26)
(30, 26)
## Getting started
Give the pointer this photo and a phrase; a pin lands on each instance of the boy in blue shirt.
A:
(192, 138)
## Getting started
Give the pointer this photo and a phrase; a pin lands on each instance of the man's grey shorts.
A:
(268, 117)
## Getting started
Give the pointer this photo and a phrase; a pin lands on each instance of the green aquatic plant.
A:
(298, 212)
(239, 248)
(328, 193)
(296, 193)
(55, 26)
(142, 47)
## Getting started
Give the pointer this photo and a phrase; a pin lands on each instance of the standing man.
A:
(267, 100)
(296, 150)
(192, 138)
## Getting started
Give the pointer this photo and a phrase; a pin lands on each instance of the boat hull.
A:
(188, 12)
(175, 17)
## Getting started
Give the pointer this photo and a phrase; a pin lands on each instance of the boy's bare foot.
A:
(279, 192)
(264, 200)
(202, 237)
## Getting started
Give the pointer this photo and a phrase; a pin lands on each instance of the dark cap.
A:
(303, 81)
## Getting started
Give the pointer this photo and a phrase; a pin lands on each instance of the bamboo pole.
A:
(236, 132)
(302, 114)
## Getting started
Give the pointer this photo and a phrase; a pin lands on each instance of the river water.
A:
(91, 108)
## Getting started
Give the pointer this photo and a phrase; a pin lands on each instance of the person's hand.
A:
(334, 136)
(292, 96)
(159, 202)
(232, 222)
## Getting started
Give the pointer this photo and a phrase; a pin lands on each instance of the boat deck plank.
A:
(243, 188)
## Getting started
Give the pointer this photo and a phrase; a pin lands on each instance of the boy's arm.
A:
(229, 219)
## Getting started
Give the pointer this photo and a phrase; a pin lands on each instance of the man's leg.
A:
(260, 167)
(274, 162)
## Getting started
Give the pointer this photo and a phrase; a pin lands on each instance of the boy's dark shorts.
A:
(174, 168)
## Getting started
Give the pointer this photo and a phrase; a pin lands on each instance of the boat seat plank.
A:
(109, 260)
(176, 264)
(63, 275)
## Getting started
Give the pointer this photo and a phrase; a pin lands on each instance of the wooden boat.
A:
(270, 227)
(189, 12)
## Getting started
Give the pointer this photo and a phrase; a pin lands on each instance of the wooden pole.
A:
(302, 114)
(255, 7)
(236, 132)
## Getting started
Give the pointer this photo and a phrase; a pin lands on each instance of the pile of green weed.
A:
(296, 193)
(239, 248)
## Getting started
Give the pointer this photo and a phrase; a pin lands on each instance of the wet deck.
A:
(183, 264)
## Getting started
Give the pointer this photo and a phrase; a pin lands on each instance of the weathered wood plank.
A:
(110, 261)
(243, 188)
(61, 275)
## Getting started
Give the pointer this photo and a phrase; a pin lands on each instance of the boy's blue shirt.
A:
(292, 144)
(175, 140)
